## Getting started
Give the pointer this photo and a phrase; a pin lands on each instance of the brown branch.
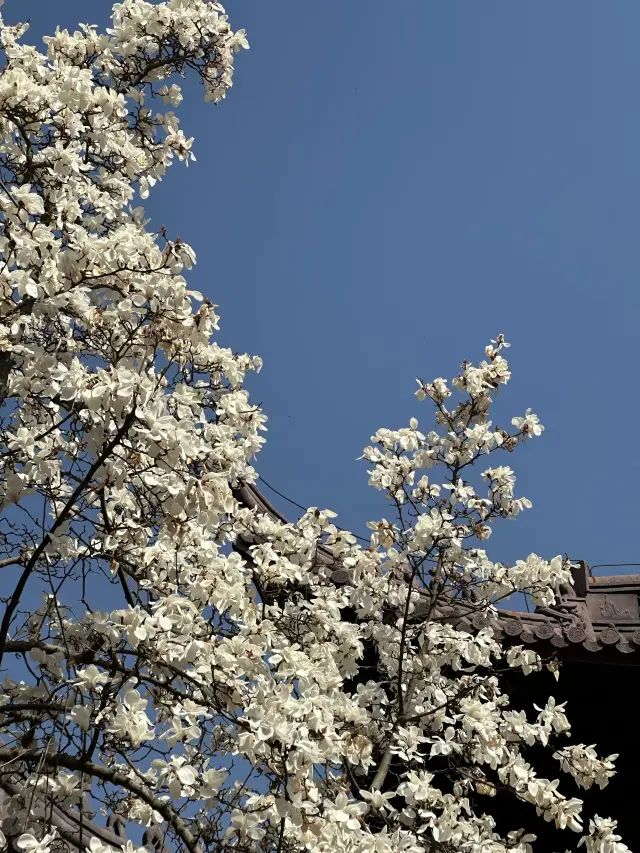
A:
(107, 774)
(66, 512)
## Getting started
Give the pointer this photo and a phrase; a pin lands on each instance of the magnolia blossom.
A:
(583, 764)
(191, 663)
(28, 843)
(601, 837)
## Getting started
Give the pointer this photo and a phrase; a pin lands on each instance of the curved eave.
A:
(596, 618)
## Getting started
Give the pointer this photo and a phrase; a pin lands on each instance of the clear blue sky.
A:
(391, 184)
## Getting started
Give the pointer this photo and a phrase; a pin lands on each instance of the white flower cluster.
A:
(583, 764)
(258, 685)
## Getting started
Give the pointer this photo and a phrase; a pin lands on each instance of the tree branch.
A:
(32, 562)
(107, 774)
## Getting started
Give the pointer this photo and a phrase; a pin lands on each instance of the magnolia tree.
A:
(170, 655)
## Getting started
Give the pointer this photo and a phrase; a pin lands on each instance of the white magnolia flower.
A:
(199, 662)
(91, 677)
(98, 846)
(81, 715)
(377, 800)
(28, 843)
(529, 425)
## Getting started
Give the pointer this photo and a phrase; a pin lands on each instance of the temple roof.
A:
(592, 615)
